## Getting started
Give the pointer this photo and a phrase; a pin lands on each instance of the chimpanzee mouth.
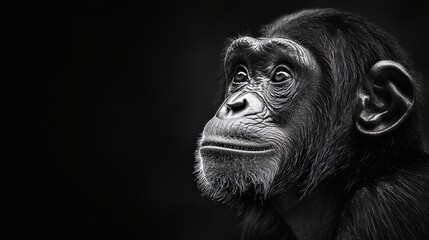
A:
(237, 147)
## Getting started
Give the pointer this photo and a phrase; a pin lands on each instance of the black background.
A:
(124, 94)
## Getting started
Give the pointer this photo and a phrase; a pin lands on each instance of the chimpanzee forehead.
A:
(263, 45)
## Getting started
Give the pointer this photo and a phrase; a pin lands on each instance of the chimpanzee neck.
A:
(312, 218)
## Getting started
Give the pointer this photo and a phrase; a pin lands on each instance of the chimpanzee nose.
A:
(240, 105)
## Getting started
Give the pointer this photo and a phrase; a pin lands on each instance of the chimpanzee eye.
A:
(281, 74)
(240, 74)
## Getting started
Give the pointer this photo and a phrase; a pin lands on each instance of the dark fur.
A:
(382, 183)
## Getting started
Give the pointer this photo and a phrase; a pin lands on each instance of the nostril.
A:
(237, 106)
(240, 105)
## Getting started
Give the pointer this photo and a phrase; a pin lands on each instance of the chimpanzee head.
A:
(319, 95)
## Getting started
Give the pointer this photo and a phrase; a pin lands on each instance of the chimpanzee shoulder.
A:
(395, 206)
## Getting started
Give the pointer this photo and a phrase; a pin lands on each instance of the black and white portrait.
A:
(297, 120)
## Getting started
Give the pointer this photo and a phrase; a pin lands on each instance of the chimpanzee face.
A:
(270, 82)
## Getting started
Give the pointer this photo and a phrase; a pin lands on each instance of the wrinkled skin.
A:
(246, 143)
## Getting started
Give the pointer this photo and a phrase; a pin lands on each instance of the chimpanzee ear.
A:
(385, 100)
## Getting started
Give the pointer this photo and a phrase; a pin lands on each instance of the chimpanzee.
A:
(318, 134)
